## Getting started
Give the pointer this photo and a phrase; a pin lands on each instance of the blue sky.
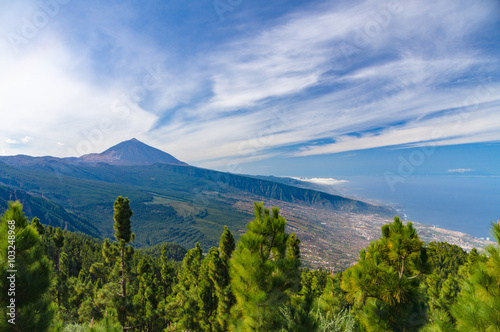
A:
(297, 88)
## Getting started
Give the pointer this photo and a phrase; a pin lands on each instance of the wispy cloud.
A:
(420, 71)
(460, 170)
(393, 98)
(24, 140)
(322, 181)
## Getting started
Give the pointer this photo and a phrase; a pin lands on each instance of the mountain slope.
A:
(47, 211)
(131, 152)
(186, 204)
(172, 203)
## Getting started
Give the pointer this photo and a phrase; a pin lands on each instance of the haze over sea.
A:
(456, 187)
(457, 202)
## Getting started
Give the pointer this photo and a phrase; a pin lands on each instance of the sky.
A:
(289, 88)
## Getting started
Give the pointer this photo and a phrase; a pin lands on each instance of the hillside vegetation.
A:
(172, 203)
(67, 281)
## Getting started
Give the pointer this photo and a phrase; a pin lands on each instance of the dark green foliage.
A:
(298, 314)
(331, 299)
(36, 224)
(445, 258)
(226, 244)
(34, 311)
(433, 291)
(184, 306)
(478, 305)
(257, 287)
(207, 294)
(448, 293)
(264, 270)
(166, 285)
(123, 234)
(46, 211)
(62, 280)
(384, 284)
(122, 216)
(319, 306)
(473, 259)
(440, 321)
(190, 269)
(172, 251)
(59, 238)
(145, 301)
(220, 276)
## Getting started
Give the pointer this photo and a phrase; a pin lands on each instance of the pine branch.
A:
(415, 276)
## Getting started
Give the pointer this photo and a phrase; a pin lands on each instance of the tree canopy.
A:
(66, 281)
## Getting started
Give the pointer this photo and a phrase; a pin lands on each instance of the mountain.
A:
(184, 204)
(131, 152)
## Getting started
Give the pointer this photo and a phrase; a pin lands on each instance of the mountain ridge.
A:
(126, 153)
(132, 152)
(186, 204)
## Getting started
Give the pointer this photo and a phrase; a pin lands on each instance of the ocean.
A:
(459, 202)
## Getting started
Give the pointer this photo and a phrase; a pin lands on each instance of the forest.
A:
(56, 280)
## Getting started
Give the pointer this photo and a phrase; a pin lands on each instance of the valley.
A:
(185, 204)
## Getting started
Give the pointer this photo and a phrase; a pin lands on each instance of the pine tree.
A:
(59, 239)
(81, 290)
(441, 297)
(440, 322)
(433, 283)
(62, 280)
(106, 291)
(117, 259)
(59, 243)
(477, 307)
(123, 234)
(190, 268)
(442, 285)
(145, 300)
(264, 268)
(207, 295)
(332, 300)
(36, 224)
(298, 315)
(226, 245)
(385, 283)
(320, 279)
(220, 277)
(185, 304)
(167, 279)
(445, 259)
(448, 293)
(33, 310)
(474, 258)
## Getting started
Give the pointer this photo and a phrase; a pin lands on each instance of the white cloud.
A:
(322, 181)
(24, 140)
(220, 107)
(460, 170)
(408, 87)
(50, 94)
(448, 129)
